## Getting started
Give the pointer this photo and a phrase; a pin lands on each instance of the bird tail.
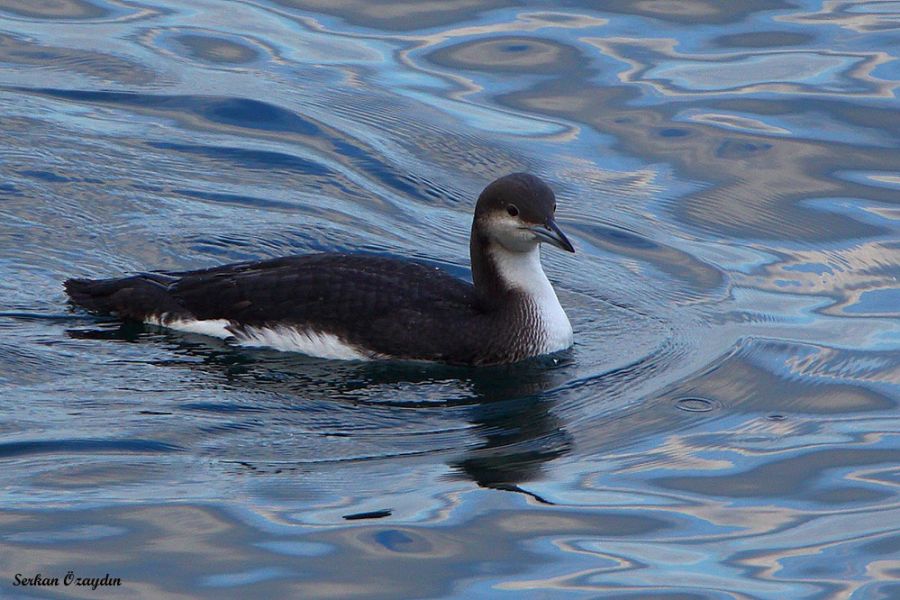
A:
(96, 295)
(137, 297)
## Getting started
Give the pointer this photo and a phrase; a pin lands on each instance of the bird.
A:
(348, 306)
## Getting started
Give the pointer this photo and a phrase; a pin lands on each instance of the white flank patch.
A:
(523, 271)
(313, 343)
(286, 339)
(213, 327)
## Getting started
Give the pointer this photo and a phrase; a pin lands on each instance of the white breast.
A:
(523, 271)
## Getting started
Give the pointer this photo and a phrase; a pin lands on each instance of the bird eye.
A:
(512, 210)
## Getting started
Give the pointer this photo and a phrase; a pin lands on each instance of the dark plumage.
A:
(383, 307)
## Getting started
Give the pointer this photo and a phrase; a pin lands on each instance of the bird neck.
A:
(500, 274)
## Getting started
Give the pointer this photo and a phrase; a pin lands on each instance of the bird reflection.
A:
(520, 436)
(507, 406)
(519, 431)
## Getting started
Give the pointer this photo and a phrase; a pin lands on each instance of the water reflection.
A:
(519, 437)
(694, 11)
(64, 9)
(725, 424)
(400, 15)
(511, 429)
(209, 47)
(855, 16)
(508, 54)
(19, 52)
(223, 545)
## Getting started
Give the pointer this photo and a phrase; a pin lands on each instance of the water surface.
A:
(725, 426)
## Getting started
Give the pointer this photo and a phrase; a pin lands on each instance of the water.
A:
(725, 427)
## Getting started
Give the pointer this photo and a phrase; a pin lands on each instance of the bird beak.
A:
(552, 234)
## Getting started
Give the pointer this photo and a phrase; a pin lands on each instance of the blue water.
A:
(726, 425)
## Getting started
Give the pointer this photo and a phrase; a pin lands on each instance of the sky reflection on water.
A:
(725, 427)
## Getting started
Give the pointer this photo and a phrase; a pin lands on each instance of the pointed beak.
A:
(552, 234)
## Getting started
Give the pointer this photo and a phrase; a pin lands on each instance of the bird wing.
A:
(390, 306)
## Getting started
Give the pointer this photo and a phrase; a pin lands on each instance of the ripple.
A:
(695, 404)
(217, 49)
(856, 16)
(396, 15)
(770, 206)
(54, 9)
(73, 534)
(737, 122)
(251, 159)
(741, 73)
(207, 47)
(727, 171)
(694, 11)
(846, 275)
(30, 447)
(786, 72)
(235, 112)
(764, 39)
(18, 51)
(787, 477)
(877, 303)
(514, 54)
(62, 11)
(755, 374)
(688, 269)
(244, 578)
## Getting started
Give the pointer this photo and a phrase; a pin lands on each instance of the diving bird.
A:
(363, 307)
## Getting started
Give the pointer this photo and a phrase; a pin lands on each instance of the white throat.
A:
(522, 271)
